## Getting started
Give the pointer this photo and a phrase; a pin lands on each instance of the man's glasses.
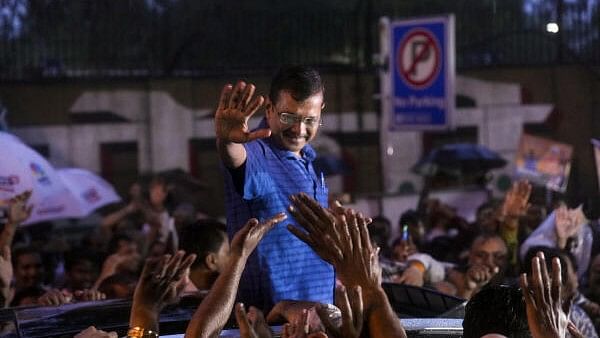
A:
(309, 121)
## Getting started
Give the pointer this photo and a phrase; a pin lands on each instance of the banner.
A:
(544, 162)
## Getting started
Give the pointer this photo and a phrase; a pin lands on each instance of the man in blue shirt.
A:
(263, 168)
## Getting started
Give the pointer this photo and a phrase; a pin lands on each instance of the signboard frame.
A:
(446, 75)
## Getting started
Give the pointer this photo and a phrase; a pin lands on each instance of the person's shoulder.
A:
(257, 147)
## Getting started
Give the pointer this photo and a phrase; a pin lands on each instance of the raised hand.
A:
(341, 239)
(300, 328)
(351, 305)
(292, 311)
(18, 210)
(158, 285)
(543, 301)
(246, 239)
(516, 201)
(252, 324)
(236, 106)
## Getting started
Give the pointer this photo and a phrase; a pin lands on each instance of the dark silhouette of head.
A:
(496, 309)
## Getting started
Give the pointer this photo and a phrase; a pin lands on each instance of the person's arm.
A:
(6, 275)
(236, 106)
(212, 314)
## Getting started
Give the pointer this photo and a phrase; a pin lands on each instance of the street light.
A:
(552, 27)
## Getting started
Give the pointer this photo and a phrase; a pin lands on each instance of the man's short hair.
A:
(487, 236)
(22, 251)
(496, 309)
(300, 81)
(202, 238)
(78, 256)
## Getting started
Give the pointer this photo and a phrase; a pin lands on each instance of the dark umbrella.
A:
(459, 159)
(456, 160)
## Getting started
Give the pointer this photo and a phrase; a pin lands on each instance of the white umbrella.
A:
(88, 191)
(22, 168)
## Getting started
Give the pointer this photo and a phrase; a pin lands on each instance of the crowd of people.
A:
(287, 256)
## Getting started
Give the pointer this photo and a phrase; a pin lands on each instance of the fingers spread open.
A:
(246, 96)
(235, 97)
(225, 96)
(556, 281)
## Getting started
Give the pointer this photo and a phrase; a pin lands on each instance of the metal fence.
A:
(56, 39)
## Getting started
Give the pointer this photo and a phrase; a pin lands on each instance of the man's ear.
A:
(210, 261)
(268, 106)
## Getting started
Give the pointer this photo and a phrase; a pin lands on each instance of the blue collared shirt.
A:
(282, 266)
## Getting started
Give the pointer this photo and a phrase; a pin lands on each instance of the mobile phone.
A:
(405, 233)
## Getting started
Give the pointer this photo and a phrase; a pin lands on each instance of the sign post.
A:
(417, 89)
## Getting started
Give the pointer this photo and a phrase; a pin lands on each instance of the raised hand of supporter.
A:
(88, 295)
(566, 225)
(543, 300)
(516, 201)
(351, 305)
(246, 239)
(92, 332)
(300, 328)
(341, 239)
(292, 311)
(55, 297)
(18, 210)
(252, 324)
(158, 285)
(236, 106)
(212, 314)
(479, 275)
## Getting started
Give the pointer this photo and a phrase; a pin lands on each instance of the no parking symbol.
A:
(419, 58)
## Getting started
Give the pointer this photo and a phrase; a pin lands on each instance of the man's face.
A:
(82, 275)
(490, 252)
(158, 194)
(294, 136)
(29, 270)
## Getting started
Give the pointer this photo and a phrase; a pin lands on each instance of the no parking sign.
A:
(421, 73)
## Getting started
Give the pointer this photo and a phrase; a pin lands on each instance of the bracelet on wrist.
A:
(140, 332)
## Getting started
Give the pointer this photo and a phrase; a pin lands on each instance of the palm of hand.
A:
(231, 124)
(516, 201)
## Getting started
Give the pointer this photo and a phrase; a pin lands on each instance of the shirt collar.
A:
(308, 152)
